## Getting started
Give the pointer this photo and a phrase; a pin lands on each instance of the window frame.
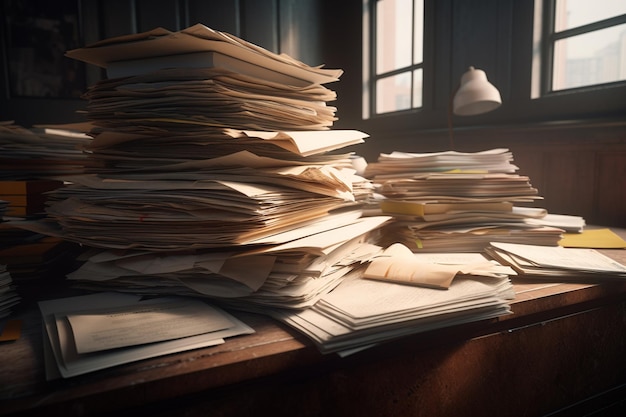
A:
(512, 59)
(548, 39)
(372, 74)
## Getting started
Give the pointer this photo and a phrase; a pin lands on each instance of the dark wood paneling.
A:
(152, 14)
(610, 187)
(222, 15)
(91, 32)
(568, 187)
(481, 36)
(117, 18)
(340, 34)
(259, 23)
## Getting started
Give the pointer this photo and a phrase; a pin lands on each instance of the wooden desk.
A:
(564, 343)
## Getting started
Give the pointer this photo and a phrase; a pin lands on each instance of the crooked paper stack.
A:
(31, 159)
(217, 174)
(402, 293)
(9, 296)
(360, 313)
(458, 201)
(40, 153)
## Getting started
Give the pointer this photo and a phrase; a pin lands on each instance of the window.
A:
(550, 59)
(583, 44)
(395, 71)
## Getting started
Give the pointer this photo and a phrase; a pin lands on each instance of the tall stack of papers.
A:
(216, 175)
(456, 201)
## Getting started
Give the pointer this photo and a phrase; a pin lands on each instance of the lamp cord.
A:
(450, 128)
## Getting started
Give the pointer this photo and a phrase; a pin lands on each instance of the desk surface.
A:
(279, 357)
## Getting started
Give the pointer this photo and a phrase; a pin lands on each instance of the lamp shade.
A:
(475, 95)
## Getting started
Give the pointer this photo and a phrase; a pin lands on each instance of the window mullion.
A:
(412, 90)
(580, 30)
(373, 57)
(398, 71)
(547, 45)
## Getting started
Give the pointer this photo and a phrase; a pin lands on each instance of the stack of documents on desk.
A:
(292, 274)
(216, 177)
(557, 263)
(8, 293)
(215, 202)
(208, 97)
(4, 205)
(198, 47)
(181, 169)
(87, 333)
(40, 153)
(457, 201)
(196, 213)
(361, 312)
(199, 77)
(31, 161)
(471, 234)
(26, 198)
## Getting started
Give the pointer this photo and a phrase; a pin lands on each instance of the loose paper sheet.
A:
(60, 347)
(593, 238)
(557, 257)
(398, 264)
(111, 328)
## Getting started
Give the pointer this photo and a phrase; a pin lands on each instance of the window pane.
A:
(393, 34)
(418, 77)
(393, 93)
(592, 58)
(574, 13)
(418, 41)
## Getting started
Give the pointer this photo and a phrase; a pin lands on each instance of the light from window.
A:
(589, 43)
(396, 71)
(574, 13)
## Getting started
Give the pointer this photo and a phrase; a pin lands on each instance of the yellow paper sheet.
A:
(593, 238)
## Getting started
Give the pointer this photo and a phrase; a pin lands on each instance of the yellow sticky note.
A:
(593, 238)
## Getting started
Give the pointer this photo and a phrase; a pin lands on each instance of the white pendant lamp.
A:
(475, 95)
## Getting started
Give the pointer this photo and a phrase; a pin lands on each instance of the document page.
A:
(113, 328)
(578, 259)
(63, 359)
